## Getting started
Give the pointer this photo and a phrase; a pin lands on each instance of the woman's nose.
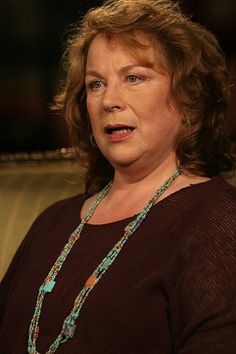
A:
(113, 99)
(110, 108)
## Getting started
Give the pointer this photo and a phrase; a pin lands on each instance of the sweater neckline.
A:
(181, 192)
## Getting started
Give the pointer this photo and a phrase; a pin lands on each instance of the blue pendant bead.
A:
(48, 287)
(69, 325)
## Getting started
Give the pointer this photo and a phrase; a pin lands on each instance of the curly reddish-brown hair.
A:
(198, 74)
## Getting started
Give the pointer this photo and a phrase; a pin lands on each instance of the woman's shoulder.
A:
(64, 206)
(63, 212)
(215, 191)
(57, 219)
(213, 196)
(224, 185)
(210, 210)
(219, 194)
(204, 212)
(215, 201)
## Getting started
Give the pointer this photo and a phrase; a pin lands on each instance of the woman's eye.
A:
(133, 79)
(95, 85)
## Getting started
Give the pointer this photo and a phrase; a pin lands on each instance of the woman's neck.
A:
(131, 192)
(127, 197)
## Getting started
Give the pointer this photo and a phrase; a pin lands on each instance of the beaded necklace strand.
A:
(69, 324)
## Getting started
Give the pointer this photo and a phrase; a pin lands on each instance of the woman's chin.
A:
(125, 161)
(121, 161)
(118, 156)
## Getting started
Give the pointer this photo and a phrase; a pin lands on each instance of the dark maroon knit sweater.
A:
(171, 290)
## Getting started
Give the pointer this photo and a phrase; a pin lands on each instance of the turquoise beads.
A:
(69, 325)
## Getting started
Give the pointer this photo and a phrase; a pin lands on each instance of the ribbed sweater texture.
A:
(171, 290)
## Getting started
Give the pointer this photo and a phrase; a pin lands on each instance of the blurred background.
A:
(32, 34)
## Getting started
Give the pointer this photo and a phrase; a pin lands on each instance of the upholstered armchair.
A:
(28, 184)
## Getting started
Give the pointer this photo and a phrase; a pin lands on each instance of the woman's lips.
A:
(118, 132)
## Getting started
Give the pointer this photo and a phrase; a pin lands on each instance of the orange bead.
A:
(35, 335)
(91, 281)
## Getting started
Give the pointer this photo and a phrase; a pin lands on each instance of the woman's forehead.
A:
(141, 46)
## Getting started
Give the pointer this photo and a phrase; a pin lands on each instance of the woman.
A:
(151, 266)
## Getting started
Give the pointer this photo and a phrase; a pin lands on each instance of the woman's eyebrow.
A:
(131, 66)
(122, 69)
(93, 73)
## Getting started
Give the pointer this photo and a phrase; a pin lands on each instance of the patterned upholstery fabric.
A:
(26, 188)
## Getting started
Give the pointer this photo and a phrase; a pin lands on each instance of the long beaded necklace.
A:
(69, 324)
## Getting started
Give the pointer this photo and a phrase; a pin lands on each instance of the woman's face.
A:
(133, 117)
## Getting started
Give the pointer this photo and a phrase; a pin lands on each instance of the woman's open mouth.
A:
(118, 131)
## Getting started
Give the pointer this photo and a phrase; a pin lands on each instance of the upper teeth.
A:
(120, 131)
